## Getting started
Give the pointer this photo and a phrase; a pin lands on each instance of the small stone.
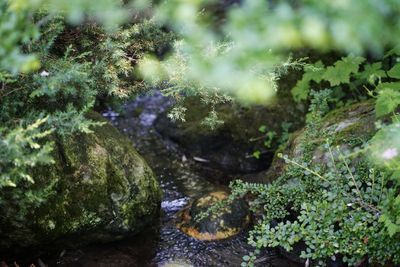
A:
(225, 223)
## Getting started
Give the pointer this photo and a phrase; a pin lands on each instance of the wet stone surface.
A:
(228, 221)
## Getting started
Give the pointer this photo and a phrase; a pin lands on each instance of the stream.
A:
(164, 244)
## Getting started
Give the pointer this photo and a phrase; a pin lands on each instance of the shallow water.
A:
(164, 244)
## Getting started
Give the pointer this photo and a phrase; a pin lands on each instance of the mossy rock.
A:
(99, 189)
(227, 222)
(347, 128)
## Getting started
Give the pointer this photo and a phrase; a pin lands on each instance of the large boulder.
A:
(230, 147)
(99, 189)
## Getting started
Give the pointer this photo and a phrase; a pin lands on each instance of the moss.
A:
(353, 125)
(348, 127)
(342, 113)
(102, 190)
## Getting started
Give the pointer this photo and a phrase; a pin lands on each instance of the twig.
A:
(351, 175)
(10, 92)
(305, 168)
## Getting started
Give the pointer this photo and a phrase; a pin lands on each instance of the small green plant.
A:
(270, 139)
(267, 138)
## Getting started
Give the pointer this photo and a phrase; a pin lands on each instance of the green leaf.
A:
(315, 72)
(396, 176)
(393, 229)
(393, 86)
(372, 72)
(262, 129)
(388, 100)
(257, 154)
(301, 90)
(312, 73)
(341, 71)
(390, 226)
(7, 183)
(394, 51)
(395, 71)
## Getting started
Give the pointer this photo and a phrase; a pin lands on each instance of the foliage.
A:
(384, 150)
(336, 75)
(269, 138)
(53, 70)
(19, 150)
(240, 54)
(71, 69)
(16, 26)
(340, 72)
(381, 81)
(171, 76)
(340, 211)
(311, 73)
(335, 209)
